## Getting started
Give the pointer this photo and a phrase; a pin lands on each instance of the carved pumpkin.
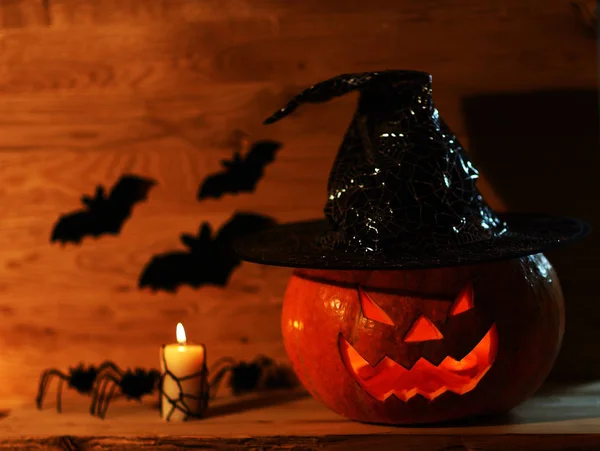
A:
(421, 346)
(373, 331)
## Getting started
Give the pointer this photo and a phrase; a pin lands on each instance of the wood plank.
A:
(67, 13)
(205, 116)
(108, 12)
(175, 140)
(334, 442)
(23, 13)
(553, 419)
(300, 49)
(40, 189)
(38, 186)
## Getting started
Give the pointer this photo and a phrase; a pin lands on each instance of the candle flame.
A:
(180, 333)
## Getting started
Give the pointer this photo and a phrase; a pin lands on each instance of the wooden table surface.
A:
(557, 418)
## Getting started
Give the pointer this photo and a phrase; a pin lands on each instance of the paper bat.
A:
(208, 260)
(241, 174)
(102, 215)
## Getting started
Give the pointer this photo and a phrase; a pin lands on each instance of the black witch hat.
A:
(402, 192)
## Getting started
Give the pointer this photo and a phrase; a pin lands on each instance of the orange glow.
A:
(371, 310)
(464, 301)
(389, 378)
(423, 330)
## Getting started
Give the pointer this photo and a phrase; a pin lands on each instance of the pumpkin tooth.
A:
(389, 378)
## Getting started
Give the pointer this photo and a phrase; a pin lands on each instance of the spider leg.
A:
(94, 398)
(221, 361)
(108, 365)
(215, 382)
(105, 400)
(98, 393)
(58, 392)
(45, 380)
(105, 368)
(42, 387)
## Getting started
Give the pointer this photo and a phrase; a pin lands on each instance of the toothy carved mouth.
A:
(389, 378)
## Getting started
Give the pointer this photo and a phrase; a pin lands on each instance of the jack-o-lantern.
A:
(425, 345)
(413, 301)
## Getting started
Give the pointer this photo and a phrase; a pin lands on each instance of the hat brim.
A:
(296, 245)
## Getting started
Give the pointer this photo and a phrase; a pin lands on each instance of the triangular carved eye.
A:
(371, 310)
(464, 301)
(422, 330)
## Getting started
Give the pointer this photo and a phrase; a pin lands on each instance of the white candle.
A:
(182, 360)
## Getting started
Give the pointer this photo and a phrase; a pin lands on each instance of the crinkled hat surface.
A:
(402, 192)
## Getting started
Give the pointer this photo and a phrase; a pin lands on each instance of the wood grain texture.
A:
(559, 418)
(24, 13)
(163, 88)
(334, 442)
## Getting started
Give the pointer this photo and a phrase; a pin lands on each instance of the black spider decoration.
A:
(133, 384)
(260, 374)
(80, 378)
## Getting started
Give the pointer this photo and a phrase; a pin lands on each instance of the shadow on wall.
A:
(541, 153)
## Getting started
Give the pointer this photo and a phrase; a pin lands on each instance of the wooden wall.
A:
(90, 89)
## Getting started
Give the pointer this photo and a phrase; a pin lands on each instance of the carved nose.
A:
(422, 330)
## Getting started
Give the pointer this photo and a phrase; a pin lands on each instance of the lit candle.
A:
(184, 379)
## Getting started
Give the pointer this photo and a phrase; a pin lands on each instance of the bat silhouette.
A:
(102, 214)
(241, 174)
(208, 260)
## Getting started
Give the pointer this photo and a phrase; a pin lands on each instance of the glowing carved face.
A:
(389, 378)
